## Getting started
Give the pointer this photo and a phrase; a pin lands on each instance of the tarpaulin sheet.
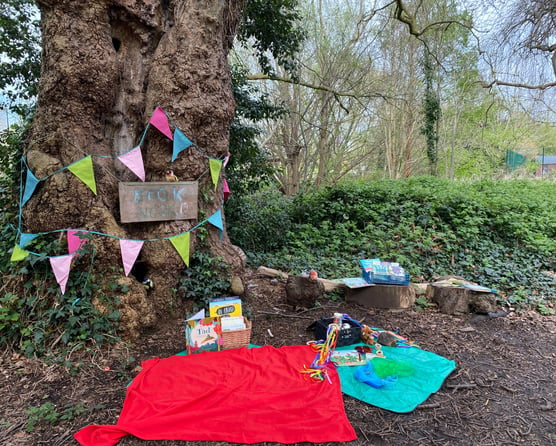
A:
(429, 371)
(240, 396)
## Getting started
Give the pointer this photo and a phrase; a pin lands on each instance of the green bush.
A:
(259, 222)
(501, 234)
(38, 317)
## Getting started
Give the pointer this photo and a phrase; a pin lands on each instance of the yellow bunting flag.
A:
(18, 254)
(83, 169)
(181, 243)
(215, 166)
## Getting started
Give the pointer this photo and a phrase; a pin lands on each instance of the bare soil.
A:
(502, 392)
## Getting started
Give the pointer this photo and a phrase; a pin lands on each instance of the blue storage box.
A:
(386, 273)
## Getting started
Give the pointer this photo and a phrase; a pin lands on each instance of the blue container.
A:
(387, 273)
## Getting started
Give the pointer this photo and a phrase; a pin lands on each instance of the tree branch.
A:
(266, 77)
(337, 94)
(404, 16)
(518, 85)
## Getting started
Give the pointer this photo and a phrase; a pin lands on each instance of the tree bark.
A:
(106, 66)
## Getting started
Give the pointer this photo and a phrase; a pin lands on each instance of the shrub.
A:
(501, 234)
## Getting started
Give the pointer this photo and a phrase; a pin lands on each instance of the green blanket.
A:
(421, 373)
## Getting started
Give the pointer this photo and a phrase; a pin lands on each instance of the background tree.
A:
(19, 54)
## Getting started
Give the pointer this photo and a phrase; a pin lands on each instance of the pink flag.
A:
(61, 267)
(75, 242)
(226, 188)
(130, 250)
(133, 160)
(226, 159)
(160, 121)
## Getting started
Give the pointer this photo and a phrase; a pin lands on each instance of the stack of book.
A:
(230, 312)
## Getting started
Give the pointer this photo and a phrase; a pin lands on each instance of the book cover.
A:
(203, 335)
(233, 323)
(355, 282)
(347, 358)
(225, 306)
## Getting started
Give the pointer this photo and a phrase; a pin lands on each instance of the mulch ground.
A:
(502, 392)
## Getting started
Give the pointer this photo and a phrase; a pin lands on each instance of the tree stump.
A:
(458, 300)
(303, 291)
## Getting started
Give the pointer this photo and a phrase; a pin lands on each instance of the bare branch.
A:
(336, 94)
(405, 16)
(518, 85)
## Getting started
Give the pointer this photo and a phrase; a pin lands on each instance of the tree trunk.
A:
(106, 66)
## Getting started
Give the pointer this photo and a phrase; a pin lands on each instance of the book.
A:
(225, 306)
(203, 335)
(233, 323)
(347, 358)
(355, 282)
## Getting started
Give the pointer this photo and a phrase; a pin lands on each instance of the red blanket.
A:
(240, 396)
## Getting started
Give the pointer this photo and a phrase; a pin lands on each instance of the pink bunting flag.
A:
(130, 250)
(160, 121)
(226, 159)
(133, 160)
(61, 267)
(226, 188)
(75, 242)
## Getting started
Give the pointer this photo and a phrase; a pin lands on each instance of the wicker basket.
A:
(237, 338)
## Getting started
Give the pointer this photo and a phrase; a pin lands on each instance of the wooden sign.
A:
(158, 201)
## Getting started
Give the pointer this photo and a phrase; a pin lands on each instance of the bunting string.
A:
(83, 169)
(132, 158)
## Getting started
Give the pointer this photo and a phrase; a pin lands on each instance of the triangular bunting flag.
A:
(130, 250)
(225, 188)
(25, 239)
(181, 142)
(83, 169)
(61, 267)
(160, 121)
(75, 241)
(226, 159)
(215, 166)
(181, 243)
(216, 220)
(31, 182)
(133, 160)
(18, 254)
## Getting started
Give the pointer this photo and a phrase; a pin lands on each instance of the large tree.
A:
(106, 66)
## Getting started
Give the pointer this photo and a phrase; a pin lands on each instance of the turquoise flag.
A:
(181, 142)
(216, 220)
(30, 185)
(25, 239)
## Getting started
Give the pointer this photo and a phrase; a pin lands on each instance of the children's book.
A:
(347, 357)
(230, 323)
(225, 306)
(203, 335)
(355, 282)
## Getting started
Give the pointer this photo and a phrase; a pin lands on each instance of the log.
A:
(329, 285)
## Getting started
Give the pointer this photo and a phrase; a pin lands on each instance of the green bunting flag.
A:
(83, 169)
(181, 243)
(18, 254)
(215, 166)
